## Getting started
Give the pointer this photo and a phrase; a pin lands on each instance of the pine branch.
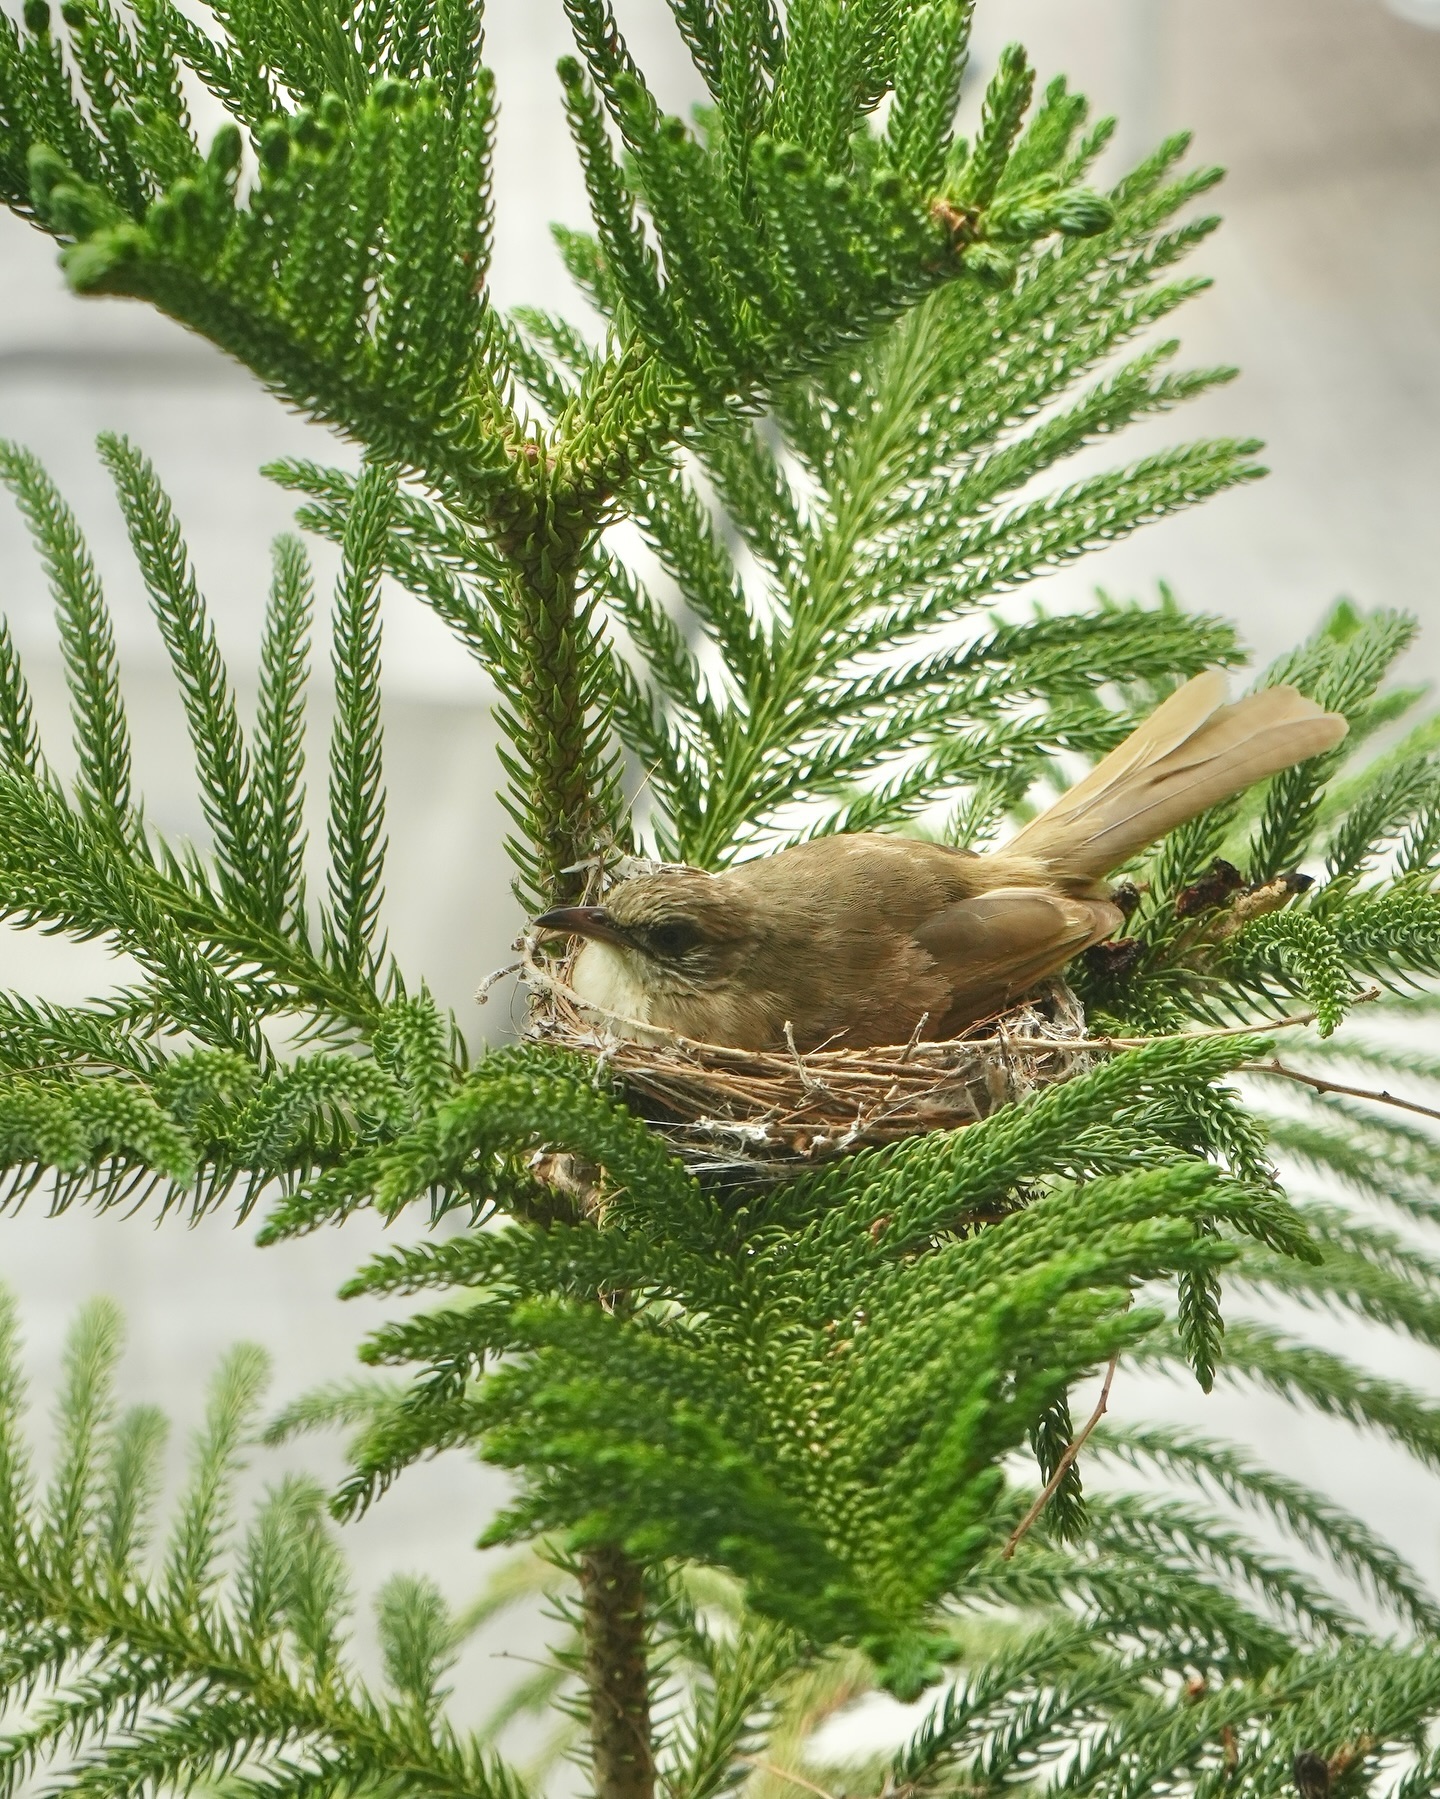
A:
(221, 757)
(279, 738)
(357, 796)
(102, 1659)
(1314, 1520)
(102, 739)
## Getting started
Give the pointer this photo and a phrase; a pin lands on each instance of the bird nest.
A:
(750, 1116)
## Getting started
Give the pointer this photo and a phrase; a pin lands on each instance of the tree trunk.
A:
(612, 1588)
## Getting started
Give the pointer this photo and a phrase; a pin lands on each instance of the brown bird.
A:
(853, 940)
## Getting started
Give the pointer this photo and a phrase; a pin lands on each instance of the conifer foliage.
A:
(769, 1444)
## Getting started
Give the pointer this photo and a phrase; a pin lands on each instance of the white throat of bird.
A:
(608, 978)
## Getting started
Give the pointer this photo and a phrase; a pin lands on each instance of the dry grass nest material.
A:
(752, 1112)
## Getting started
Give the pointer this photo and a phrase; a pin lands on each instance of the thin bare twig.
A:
(1379, 1095)
(1261, 1027)
(807, 1080)
(493, 979)
(1062, 1467)
(777, 1773)
(920, 1025)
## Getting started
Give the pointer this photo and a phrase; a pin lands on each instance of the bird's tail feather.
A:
(1193, 752)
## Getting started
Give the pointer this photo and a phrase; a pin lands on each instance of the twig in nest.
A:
(1062, 1467)
(807, 1080)
(1320, 1085)
(920, 1025)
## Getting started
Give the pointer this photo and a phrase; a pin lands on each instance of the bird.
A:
(864, 939)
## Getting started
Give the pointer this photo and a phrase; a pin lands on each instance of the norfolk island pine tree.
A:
(767, 1452)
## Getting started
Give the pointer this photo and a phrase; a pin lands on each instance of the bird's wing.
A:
(994, 947)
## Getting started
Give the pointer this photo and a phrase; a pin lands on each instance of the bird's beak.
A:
(581, 921)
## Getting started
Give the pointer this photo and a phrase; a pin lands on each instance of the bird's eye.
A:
(673, 938)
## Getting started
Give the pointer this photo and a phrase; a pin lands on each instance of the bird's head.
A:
(678, 930)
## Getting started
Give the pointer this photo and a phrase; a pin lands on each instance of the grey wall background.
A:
(1328, 114)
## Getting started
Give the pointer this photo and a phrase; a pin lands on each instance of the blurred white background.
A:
(1327, 113)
